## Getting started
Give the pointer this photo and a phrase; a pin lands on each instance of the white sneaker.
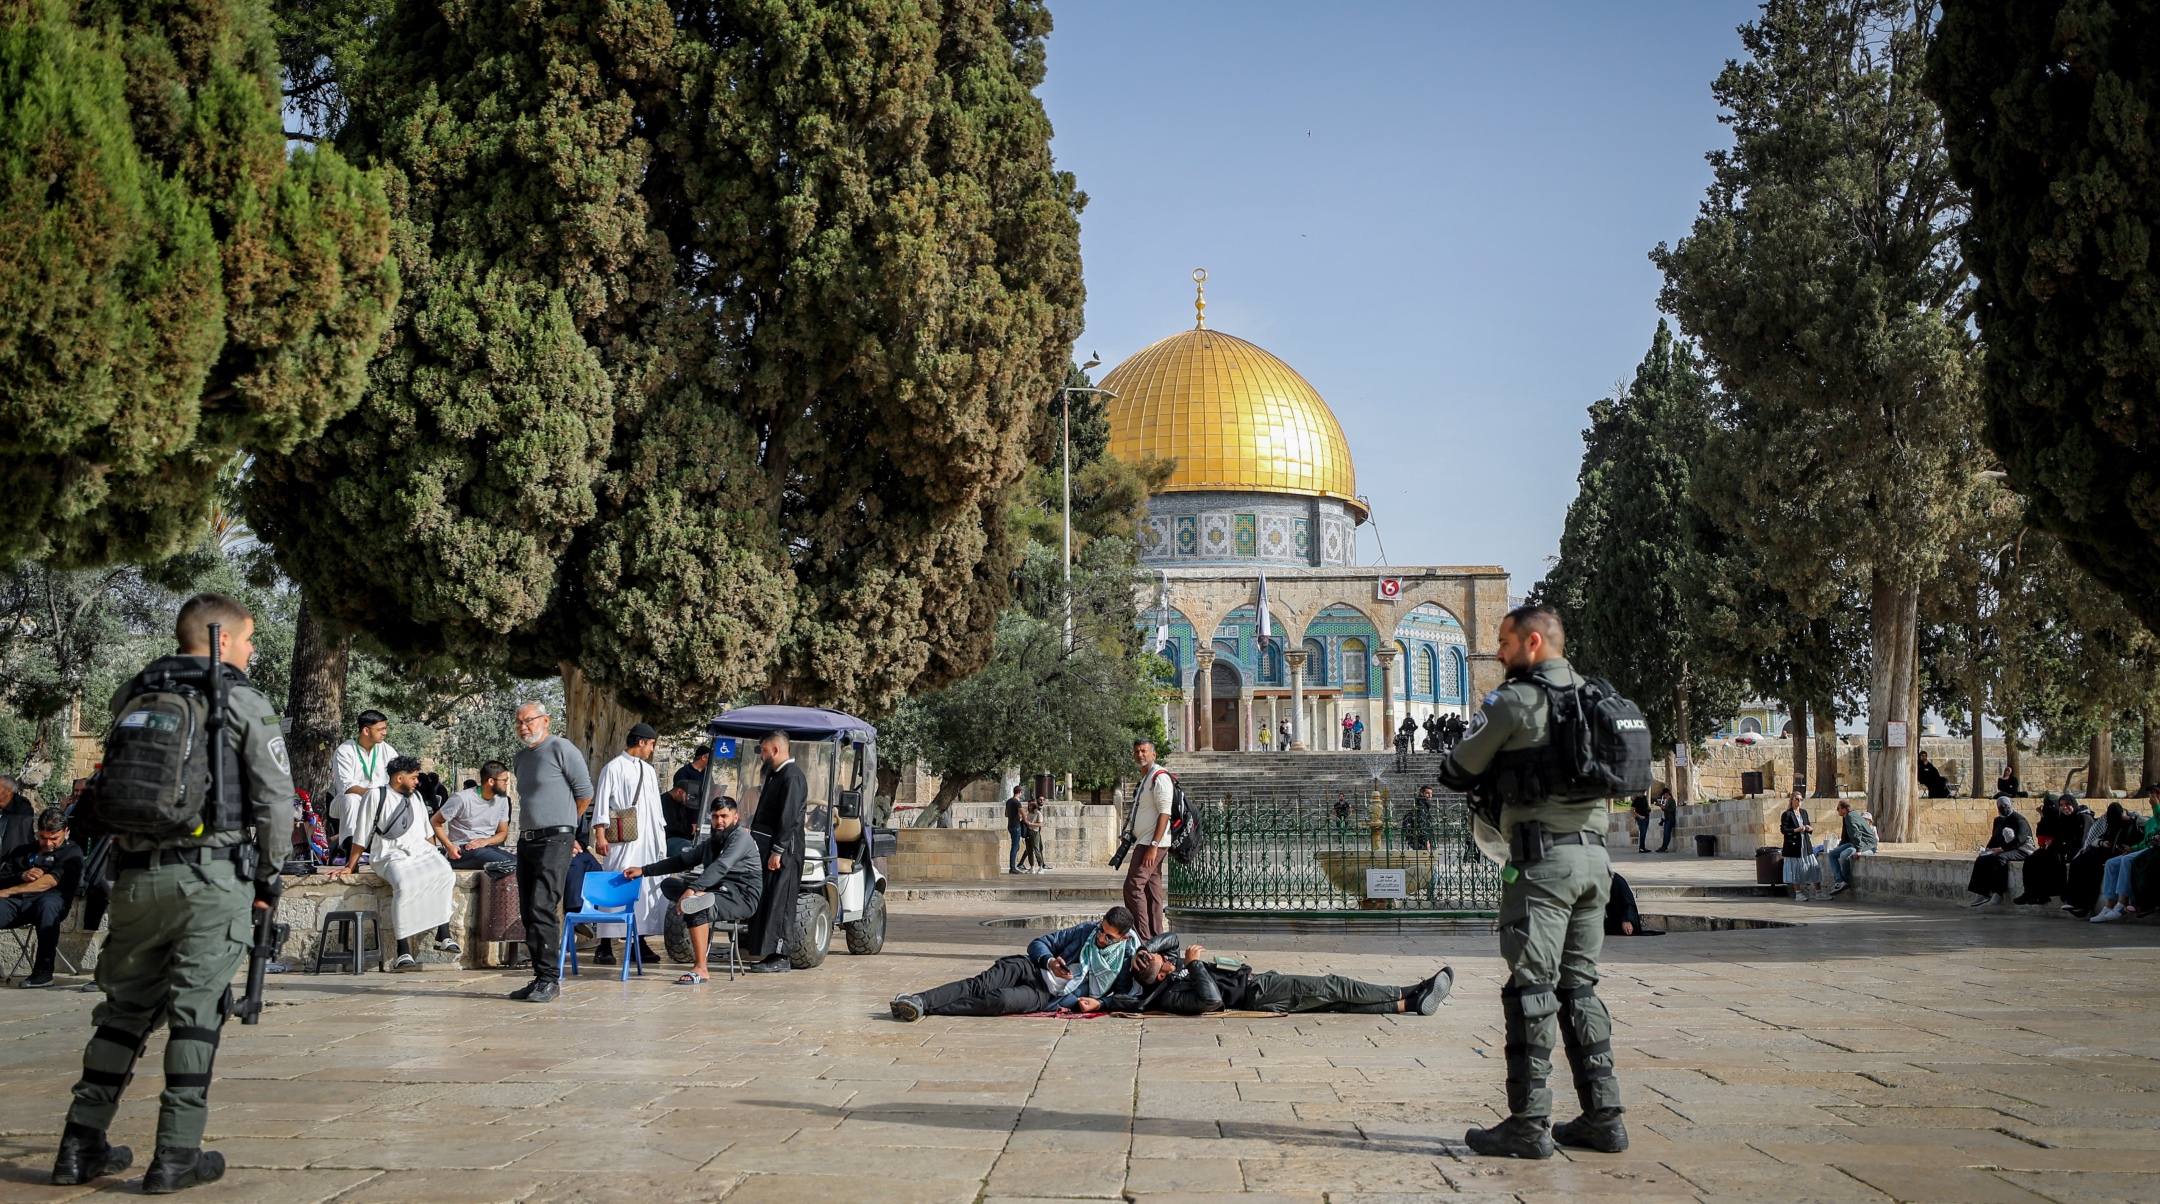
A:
(2069, 907)
(2108, 916)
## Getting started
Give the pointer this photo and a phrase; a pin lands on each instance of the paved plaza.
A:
(1868, 1054)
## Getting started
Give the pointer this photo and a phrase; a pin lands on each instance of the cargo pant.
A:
(1552, 927)
(178, 934)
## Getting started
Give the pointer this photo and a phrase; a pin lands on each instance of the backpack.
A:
(1184, 831)
(155, 781)
(1600, 742)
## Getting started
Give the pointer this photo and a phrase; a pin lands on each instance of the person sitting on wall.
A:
(1202, 985)
(1932, 780)
(2011, 839)
(1857, 839)
(2060, 835)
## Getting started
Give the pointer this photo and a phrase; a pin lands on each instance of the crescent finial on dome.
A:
(1199, 279)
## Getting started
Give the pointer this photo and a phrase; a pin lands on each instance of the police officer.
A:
(1552, 903)
(181, 923)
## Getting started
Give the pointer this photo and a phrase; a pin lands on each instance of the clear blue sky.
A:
(1438, 213)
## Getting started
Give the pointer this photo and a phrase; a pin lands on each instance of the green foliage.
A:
(1628, 581)
(2049, 112)
(1822, 282)
(173, 287)
(727, 331)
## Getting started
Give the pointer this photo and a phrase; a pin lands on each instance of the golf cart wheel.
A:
(867, 935)
(813, 932)
(677, 938)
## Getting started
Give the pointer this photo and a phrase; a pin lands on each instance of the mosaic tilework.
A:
(1247, 541)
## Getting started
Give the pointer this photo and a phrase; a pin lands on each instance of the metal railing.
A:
(1312, 854)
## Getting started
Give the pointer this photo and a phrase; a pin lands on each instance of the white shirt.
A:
(351, 767)
(1151, 803)
(376, 806)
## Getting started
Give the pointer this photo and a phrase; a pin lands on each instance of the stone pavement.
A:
(1868, 1054)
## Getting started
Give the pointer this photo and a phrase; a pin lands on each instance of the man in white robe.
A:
(360, 764)
(421, 881)
(628, 785)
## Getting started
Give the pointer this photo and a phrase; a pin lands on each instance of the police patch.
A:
(1492, 698)
(277, 753)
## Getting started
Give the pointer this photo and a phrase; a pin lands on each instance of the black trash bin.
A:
(1706, 845)
(1769, 865)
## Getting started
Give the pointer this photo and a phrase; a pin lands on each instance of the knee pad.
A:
(1586, 1030)
(131, 1044)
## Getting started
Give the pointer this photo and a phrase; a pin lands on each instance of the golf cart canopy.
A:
(800, 723)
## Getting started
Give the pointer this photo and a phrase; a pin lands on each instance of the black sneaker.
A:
(39, 980)
(605, 954)
(907, 1009)
(1514, 1137)
(525, 992)
(171, 1170)
(1600, 1130)
(546, 990)
(1433, 992)
(777, 964)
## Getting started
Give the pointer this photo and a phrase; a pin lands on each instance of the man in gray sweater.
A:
(719, 879)
(554, 791)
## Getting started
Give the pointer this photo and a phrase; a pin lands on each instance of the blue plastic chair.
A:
(609, 899)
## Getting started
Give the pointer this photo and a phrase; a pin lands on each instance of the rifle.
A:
(270, 936)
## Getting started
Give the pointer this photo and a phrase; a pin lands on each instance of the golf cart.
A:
(843, 874)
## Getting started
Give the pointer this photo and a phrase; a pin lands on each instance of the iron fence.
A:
(1312, 854)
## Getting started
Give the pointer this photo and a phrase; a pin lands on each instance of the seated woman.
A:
(390, 824)
(2109, 836)
(2011, 839)
(724, 881)
(2116, 876)
(1201, 985)
(2060, 834)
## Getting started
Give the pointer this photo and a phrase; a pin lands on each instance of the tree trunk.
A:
(1893, 697)
(38, 764)
(316, 701)
(1978, 787)
(2010, 751)
(948, 790)
(2149, 772)
(1826, 750)
(1798, 707)
(2100, 765)
(1684, 779)
(595, 720)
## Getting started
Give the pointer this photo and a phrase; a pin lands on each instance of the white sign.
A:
(1896, 737)
(1387, 884)
(1390, 588)
(1679, 756)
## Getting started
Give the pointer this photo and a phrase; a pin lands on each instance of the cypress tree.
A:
(726, 331)
(175, 288)
(1822, 280)
(2049, 120)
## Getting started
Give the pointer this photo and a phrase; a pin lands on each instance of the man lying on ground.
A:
(1204, 985)
(1086, 961)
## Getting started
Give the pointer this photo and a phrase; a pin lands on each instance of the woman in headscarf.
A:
(2010, 840)
(2110, 836)
(2060, 834)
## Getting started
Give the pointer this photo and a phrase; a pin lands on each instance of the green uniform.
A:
(180, 929)
(1552, 915)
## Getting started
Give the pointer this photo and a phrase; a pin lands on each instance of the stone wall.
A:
(1722, 761)
(1928, 878)
(929, 855)
(1075, 835)
(1742, 825)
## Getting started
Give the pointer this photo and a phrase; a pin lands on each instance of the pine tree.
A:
(1627, 579)
(175, 288)
(1822, 281)
(2050, 122)
(727, 329)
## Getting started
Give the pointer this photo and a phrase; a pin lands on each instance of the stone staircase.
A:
(1208, 777)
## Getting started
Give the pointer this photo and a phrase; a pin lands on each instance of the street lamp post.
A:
(1065, 441)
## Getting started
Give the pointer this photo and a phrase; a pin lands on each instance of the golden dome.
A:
(1235, 418)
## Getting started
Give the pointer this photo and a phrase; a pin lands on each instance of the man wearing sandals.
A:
(719, 878)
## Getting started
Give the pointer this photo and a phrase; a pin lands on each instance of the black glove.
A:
(268, 889)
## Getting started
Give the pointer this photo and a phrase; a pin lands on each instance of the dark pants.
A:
(1273, 992)
(2083, 889)
(543, 864)
(581, 864)
(1018, 835)
(42, 911)
(2047, 875)
(478, 858)
(1991, 874)
(775, 920)
(1665, 835)
(1642, 833)
(707, 907)
(1010, 987)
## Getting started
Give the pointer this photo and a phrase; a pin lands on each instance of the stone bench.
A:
(1910, 877)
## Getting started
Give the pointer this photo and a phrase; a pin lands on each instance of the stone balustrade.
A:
(1075, 835)
(1741, 825)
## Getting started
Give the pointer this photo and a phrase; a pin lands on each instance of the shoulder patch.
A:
(1492, 698)
(270, 720)
(277, 753)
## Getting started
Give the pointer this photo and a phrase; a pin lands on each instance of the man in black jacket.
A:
(778, 828)
(720, 880)
(1201, 986)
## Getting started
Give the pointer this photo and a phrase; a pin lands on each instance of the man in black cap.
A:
(628, 829)
(679, 806)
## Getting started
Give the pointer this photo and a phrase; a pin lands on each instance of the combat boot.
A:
(86, 1155)
(172, 1169)
(1599, 1130)
(1515, 1137)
